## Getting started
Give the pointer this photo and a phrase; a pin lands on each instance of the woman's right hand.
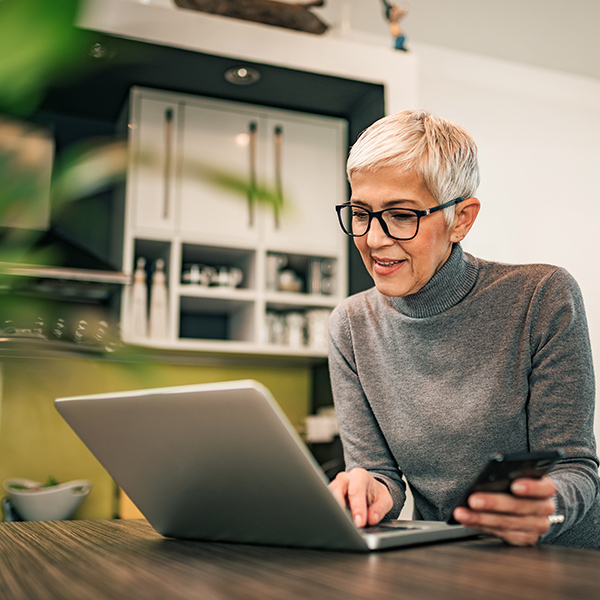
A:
(369, 500)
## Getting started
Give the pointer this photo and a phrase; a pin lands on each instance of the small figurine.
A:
(394, 14)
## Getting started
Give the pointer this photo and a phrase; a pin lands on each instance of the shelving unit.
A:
(241, 275)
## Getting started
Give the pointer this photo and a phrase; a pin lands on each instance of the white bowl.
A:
(53, 503)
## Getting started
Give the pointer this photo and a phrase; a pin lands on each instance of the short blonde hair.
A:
(440, 151)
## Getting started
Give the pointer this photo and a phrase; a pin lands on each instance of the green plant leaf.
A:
(39, 45)
(86, 168)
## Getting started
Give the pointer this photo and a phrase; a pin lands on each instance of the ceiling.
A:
(100, 92)
(551, 34)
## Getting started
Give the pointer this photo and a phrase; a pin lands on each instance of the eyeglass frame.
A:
(378, 215)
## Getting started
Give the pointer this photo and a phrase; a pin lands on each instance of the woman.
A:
(450, 358)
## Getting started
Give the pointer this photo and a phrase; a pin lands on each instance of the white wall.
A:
(538, 135)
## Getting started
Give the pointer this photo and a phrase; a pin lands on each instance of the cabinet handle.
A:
(278, 141)
(252, 130)
(168, 159)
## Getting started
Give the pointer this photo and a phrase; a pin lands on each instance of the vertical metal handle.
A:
(168, 160)
(252, 131)
(278, 142)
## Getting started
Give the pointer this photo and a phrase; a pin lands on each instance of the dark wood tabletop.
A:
(64, 560)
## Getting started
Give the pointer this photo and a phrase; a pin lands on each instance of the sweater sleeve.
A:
(363, 442)
(562, 390)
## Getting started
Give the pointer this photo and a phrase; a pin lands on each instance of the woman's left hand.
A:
(519, 518)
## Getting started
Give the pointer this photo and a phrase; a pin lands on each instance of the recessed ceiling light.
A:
(242, 75)
(100, 51)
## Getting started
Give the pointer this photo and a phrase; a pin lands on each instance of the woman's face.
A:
(400, 268)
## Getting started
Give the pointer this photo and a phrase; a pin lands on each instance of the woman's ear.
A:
(464, 217)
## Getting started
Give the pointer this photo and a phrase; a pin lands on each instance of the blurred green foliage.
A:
(38, 46)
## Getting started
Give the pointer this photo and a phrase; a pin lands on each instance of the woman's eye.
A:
(401, 215)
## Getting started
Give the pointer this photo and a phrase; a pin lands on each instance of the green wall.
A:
(36, 443)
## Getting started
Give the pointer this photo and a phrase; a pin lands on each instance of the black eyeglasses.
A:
(397, 223)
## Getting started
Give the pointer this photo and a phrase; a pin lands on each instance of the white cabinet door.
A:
(154, 138)
(220, 160)
(300, 157)
(305, 160)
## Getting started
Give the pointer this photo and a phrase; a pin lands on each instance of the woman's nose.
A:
(376, 236)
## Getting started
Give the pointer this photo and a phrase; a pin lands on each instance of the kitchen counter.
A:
(128, 559)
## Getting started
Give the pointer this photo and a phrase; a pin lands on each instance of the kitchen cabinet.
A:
(243, 276)
(153, 180)
(220, 141)
(297, 157)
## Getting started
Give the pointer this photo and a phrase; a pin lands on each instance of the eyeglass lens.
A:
(400, 223)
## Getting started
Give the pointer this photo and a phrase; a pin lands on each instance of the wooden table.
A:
(84, 560)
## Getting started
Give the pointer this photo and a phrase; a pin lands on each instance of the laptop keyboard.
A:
(388, 527)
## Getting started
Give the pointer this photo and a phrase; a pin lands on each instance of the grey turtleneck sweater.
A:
(485, 357)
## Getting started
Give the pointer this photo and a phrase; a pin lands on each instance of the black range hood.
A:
(77, 275)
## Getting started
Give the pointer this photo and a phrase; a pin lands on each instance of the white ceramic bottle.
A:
(139, 301)
(158, 302)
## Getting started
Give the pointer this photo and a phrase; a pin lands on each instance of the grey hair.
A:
(442, 152)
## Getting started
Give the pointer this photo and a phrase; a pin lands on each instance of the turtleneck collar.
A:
(444, 290)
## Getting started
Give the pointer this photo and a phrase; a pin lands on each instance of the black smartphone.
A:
(503, 469)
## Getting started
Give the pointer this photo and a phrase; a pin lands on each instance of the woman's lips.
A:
(382, 266)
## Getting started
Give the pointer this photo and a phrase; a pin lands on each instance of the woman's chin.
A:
(389, 288)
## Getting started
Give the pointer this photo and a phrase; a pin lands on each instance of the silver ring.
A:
(552, 519)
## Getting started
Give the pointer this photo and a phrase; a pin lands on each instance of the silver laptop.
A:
(221, 462)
